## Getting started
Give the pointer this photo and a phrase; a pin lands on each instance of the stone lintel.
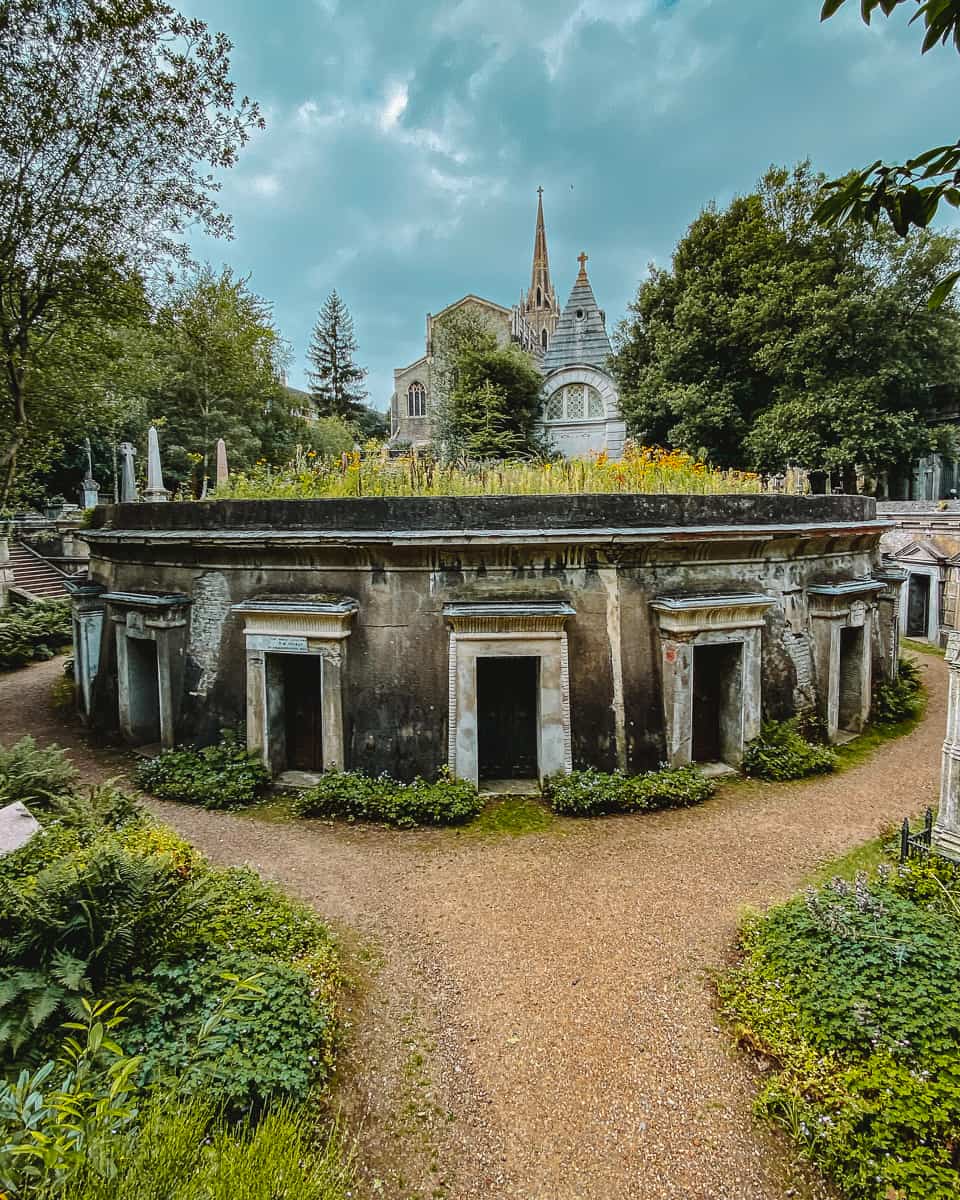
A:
(296, 605)
(836, 600)
(848, 587)
(692, 614)
(296, 618)
(147, 600)
(524, 616)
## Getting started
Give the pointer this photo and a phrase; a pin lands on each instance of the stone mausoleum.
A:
(509, 637)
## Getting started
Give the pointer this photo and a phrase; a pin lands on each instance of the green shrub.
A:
(35, 775)
(277, 1045)
(900, 699)
(781, 752)
(359, 797)
(852, 991)
(224, 775)
(591, 793)
(34, 632)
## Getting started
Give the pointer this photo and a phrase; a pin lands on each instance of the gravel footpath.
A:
(536, 1016)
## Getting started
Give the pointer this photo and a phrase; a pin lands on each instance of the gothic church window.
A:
(416, 400)
(543, 338)
(539, 298)
(575, 402)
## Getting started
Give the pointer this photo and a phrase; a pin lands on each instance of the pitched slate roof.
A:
(580, 336)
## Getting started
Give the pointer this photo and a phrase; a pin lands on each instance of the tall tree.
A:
(223, 376)
(496, 402)
(112, 114)
(336, 382)
(907, 194)
(768, 331)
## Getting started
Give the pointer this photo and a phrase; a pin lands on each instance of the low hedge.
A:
(781, 752)
(358, 797)
(591, 793)
(34, 632)
(224, 775)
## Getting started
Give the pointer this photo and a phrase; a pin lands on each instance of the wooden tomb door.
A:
(303, 711)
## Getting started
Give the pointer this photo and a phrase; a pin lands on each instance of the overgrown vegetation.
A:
(358, 797)
(223, 775)
(34, 632)
(851, 991)
(228, 993)
(591, 793)
(781, 752)
(641, 469)
(900, 699)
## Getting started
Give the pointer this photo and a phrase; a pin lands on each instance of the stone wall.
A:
(408, 563)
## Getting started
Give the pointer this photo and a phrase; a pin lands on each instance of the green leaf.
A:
(942, 290)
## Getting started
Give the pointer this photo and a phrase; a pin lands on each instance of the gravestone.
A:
(128, 480)
(155, 492)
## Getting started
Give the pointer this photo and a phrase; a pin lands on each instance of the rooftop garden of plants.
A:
(649, 469)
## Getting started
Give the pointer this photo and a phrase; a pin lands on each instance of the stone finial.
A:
(128, 479)
(582, 260)
(946, 832)
(223, 473)
(155, 490)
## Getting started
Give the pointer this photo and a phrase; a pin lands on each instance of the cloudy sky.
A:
(405, 140)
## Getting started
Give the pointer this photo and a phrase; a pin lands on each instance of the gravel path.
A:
(536, 1019)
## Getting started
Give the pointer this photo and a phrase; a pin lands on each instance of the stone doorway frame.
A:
(302, 626)
(153, 617)
(688, 621)
(501, 629)
(87, 611)
(834, 607)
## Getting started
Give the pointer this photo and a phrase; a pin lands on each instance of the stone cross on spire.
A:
(582, 260)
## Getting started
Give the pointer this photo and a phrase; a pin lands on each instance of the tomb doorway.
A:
(717, 702)
(507, 719)
(143, 691)
(850, 698)
(302, 711)
(918, 605)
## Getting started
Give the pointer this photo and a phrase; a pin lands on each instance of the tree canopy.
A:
(113, 116)
(908, 194)
(771, 340)
(495, 403)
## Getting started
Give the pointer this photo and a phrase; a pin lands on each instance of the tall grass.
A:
(182, 1151)
(647, 469)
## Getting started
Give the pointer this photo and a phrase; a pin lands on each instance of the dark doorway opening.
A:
(717, 703)
(850, 706)
(507, 717)
(303, 711)
(143, 690)
(918, 606)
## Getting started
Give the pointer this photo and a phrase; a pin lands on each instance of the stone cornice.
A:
(146, 600)
(325, 620)
(523, 616)
(692, 614)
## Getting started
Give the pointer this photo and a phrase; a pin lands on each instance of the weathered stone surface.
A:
(17, 826)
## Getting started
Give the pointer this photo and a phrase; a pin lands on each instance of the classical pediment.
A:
(919, 552)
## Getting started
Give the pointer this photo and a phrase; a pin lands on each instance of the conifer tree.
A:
(336, 382)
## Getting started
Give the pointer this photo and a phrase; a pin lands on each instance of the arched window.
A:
(416, 400)
(539, 298)
(543, 338)
(575, 402)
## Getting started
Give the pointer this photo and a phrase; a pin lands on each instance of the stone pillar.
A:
(223, 473)
(155, 492)
(6, 572)
(946, 831)
(334, 754)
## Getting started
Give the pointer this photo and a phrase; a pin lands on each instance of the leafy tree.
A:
(770, 339)
(496, 402)
(907, 194)
(223, 377)
(466, 328)
(336, 382)
(112, 115)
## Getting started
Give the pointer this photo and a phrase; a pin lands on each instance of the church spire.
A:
(540, 309)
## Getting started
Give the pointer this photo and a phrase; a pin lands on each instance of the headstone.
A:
(17, 827)
(128, 480)
(89, 489)
(223, 473)
(155, 490)
(946, 832)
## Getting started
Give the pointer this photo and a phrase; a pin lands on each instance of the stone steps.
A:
(34, 575)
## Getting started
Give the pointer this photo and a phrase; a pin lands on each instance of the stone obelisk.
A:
(223, 473)
(155, 490)
(128, 480)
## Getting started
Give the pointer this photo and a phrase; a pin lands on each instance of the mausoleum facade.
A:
(507, 637)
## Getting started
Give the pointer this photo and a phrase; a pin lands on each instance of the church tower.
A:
(540, 309)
